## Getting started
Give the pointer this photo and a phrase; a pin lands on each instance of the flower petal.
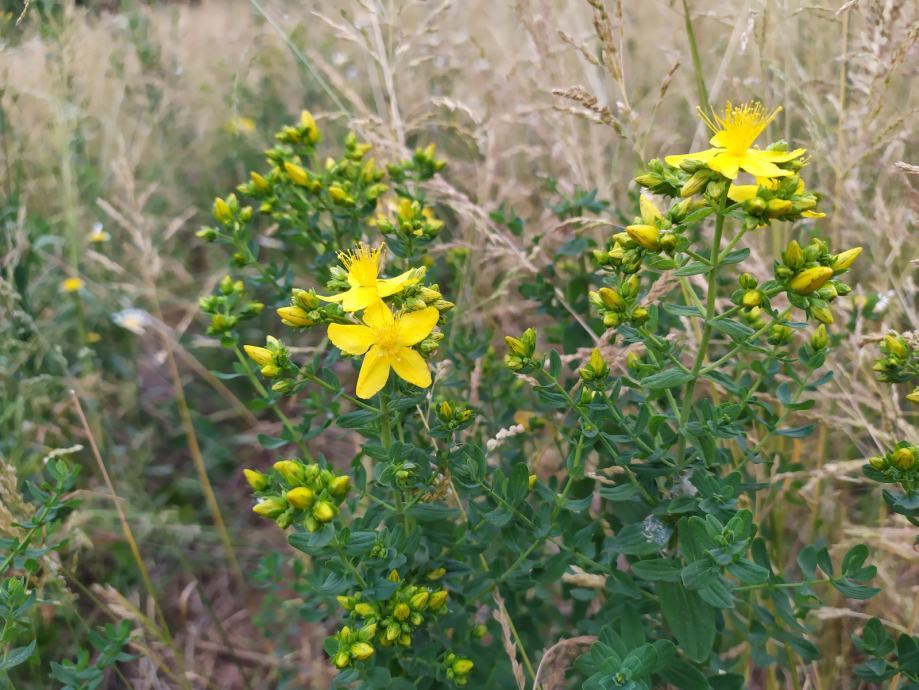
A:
(354, 340)
(374, 372)
(813, 214)
(390, 286)
(742, 192)
(780, 156)
(333, 298)
(410, 365)
(415, 326)
(378, 316)
(756, 165)
(358, 298)
(701, 156)
(726, 164)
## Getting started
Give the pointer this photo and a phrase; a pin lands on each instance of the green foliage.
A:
(646, 536)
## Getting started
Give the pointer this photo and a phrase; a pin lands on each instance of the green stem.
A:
(284, 419)
(710, 297)
(584, 417)
(696, 61)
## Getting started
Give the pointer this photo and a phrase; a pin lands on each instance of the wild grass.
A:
(135, 117)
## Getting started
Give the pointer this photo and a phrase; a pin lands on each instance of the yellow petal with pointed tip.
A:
(410, 365)
(701, 156)
(415, 326)
(374, 372)
(355, 340)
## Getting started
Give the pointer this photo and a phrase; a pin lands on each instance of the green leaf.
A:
(270, 442)
(669, 378)
(693, 268)
(734, 329)
(432, 512)
(736, 256)
(854, 559)
(16, 656)
(690, 618)
(657, 569)
(748, 572)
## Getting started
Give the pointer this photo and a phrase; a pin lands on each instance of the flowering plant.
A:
(601, 502)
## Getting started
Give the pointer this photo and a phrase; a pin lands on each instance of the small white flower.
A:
(134, 320)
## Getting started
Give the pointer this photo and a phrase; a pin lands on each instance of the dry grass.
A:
(109, 121)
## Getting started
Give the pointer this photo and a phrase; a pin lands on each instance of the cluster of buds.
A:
(521, 352)
(619, 305)
(296, 492)
(411, 221)
(229, 306)
(394, 619)
(899, 362)
(350, 183)
(231, 219)
(457, 668)
(781, 198)
(454, 416)
(689, 179)
(272, 359)
(422, 166)
(418, 296)
(596, 370)
(306, 310)
(353, 645)
(752, 300)
(808, 275)
(304, 133)
(899, 465)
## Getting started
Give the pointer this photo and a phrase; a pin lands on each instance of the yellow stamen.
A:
(740, 126)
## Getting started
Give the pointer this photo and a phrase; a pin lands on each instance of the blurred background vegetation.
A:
(121, 121)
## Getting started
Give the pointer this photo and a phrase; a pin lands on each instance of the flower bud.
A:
(811, 279)
(531, 482)
(844, 260)
(903, 458)
(361, 651)
(259, 355)
(308, 123)
(291, 471)
(776, 208)
(340, 485)
(752, 298)
(270, 507)
(222, 211)
(324, 511)
(207, 234)
(668, 241)
(649, 180)
(257, 481)
(437, 600)
(301, 497)
(269, 371)
(896, 346)
(462, 666)
(295, 316)
(877, 462)
(779, 334)
(297, 174)
(695, 183)
(436, 574)
(645, 235)
(401, 612)
(420, 600)
(649, 212)
(341, 660)
(611, 299)
(822, 313)
(305, 299)
(914, 396)
(755, 206)
(640, 315)
(339, 195)
(793, 256)
(819, 338)
(364, 610)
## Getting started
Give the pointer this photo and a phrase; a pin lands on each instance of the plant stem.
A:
(696, 61)
(710, 301)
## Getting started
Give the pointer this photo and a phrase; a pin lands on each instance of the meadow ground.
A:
(128, 119)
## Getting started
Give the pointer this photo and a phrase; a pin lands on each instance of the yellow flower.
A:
(734, 135)
(363, 266)
(387, 342)
(98, 234)
(72, 285)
